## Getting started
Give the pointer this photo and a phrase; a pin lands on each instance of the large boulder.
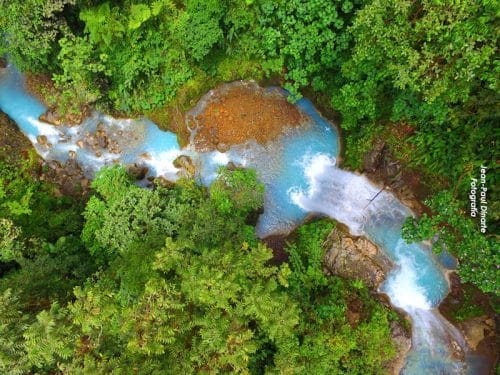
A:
(185, 163)
(356, 258)
(477, 329)
(51, 117)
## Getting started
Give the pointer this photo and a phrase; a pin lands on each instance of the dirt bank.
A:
(240, 111)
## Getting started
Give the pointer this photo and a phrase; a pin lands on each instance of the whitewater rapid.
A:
(300, 174)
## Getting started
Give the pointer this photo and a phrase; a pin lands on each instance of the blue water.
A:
(138, 140)
(300, 175)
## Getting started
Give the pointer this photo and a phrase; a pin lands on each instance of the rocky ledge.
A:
(52, 117)
(356, 258)
(380, 166)
(479, 327)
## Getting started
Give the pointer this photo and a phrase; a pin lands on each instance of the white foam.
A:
(333, 192)
(163, 163)
(402, 288)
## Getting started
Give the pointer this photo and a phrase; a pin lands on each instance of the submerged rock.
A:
(356, 258)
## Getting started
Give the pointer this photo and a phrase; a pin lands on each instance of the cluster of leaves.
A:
(182, 285)
(454, 231)
(31, 28)
(306, 39)
(361, 345)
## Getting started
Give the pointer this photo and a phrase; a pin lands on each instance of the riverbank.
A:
(359, 181)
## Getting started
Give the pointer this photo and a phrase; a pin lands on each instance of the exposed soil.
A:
(236, 113)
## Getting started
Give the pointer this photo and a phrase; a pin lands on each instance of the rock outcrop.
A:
(379, 165)
(185, 164)
(355, 258)
(52, 117)
(402, 341)
(479, 331)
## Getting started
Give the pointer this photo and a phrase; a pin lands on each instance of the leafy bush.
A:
(477, 253)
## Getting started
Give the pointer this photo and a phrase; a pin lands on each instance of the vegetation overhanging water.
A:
(299, 172)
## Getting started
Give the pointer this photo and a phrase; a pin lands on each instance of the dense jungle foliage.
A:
(171, 281)
(174, 280)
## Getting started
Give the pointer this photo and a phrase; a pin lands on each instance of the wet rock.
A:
(402, 341)
(185, 163)
(77, 118)
(101, 138)
(457, 351)
(3, 63)
(42, 140)
(51, 117)
(137, 171)
(356, 258)
(222, 147)
(232, 166)
(477, 329)
(373, 159)
(72, 154)
(98, 154)
(80, 144)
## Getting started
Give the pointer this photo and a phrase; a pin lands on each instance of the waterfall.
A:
(416, 285)
(300, 175)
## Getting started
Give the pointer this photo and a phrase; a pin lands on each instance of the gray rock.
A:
(402, 341)
(374, 158)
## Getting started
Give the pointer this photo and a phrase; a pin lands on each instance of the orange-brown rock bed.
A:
(237, 113)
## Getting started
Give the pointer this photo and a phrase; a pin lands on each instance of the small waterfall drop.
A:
(298, 169)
